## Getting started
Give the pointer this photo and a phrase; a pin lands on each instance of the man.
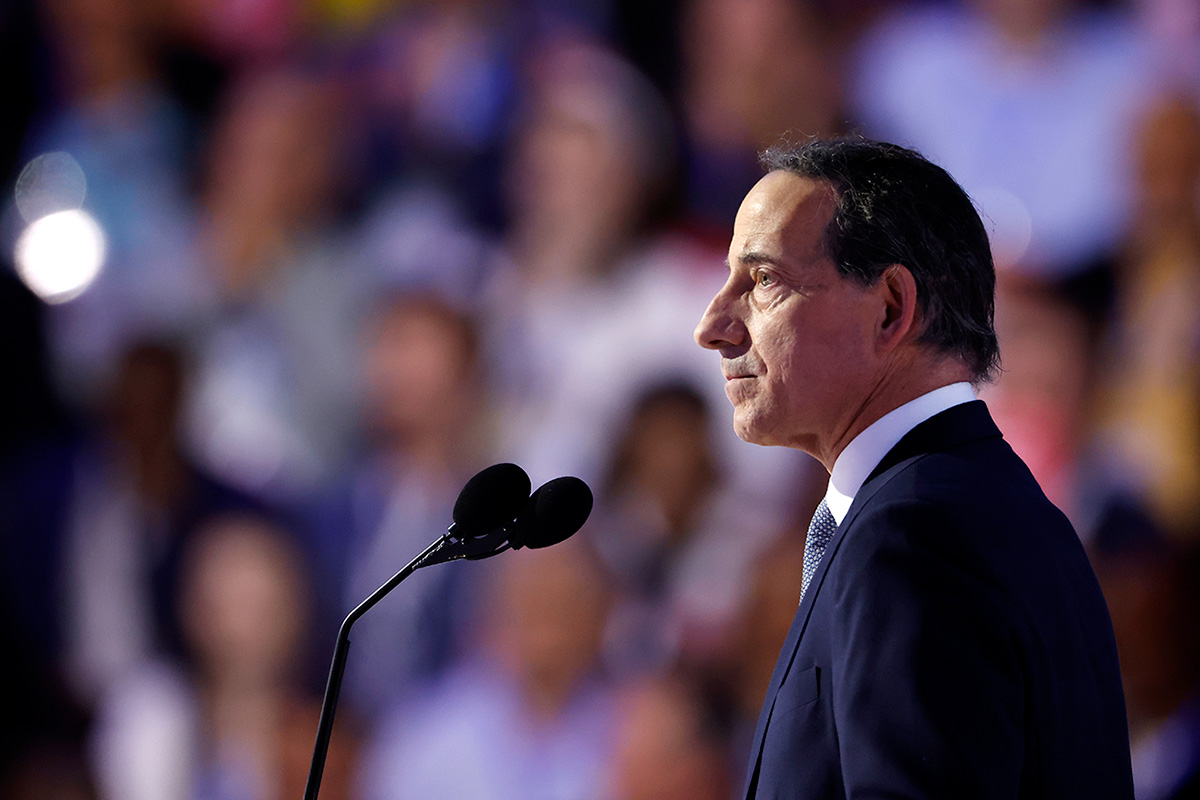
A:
(951, 640)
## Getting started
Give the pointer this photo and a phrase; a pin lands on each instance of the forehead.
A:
(783, 218)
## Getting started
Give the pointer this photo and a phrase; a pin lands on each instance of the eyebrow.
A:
(755, 257)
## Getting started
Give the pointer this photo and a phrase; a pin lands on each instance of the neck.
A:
(900, 384)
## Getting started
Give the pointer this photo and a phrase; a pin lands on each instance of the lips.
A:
(739, 387)
(733, 373)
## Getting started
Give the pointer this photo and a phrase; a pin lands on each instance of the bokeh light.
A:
(50, 183)
(59, 255)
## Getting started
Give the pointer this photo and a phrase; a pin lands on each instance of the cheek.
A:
(809, 365)
(795, 362)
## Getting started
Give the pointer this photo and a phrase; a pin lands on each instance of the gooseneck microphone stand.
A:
(338, 668)
(496, 501)
(447, 548)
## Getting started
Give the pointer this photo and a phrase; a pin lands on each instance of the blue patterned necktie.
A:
(820, 531)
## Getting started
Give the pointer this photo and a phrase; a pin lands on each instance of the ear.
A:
(898, 295)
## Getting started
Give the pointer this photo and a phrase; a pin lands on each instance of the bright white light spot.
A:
(59, 255)
(50, 183)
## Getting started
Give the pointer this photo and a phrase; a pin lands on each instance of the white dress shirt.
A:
(866, 450)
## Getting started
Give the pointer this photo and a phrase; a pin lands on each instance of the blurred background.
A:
(278, 276)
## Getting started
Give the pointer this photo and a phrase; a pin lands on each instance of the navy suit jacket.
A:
(953, 642)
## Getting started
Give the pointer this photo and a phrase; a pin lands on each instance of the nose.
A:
(721, 326)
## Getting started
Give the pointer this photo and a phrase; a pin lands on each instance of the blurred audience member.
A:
(1043, 399)
(127, 136)
(422, 411)
(1028, 105)
(590, 153)
(1150, 412)
(273, 406)
(133, 501)
(528, 717)
(666, 749)
(439, 84)
(663, 531)
(1150, 585)
(754, 71)
(230, 722)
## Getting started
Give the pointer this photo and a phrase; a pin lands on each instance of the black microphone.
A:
(490, 499)
(555, 512)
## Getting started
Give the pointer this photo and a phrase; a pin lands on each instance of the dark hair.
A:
(676, 399)
(895, 207)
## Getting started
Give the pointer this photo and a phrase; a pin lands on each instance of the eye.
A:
(763, 279)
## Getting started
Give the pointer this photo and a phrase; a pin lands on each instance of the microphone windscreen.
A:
(490, 499)
(556, 511)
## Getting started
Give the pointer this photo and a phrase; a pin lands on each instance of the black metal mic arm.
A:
(449, 547)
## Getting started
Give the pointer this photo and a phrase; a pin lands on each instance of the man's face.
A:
(796, 339)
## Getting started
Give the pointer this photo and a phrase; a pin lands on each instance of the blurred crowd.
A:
(356, 250)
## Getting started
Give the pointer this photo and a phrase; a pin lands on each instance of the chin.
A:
(762, 430)
(752, 431)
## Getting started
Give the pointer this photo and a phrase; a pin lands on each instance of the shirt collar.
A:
(866, 450)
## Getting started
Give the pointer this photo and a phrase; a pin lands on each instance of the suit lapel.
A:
(954, 426)
(791, 645)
